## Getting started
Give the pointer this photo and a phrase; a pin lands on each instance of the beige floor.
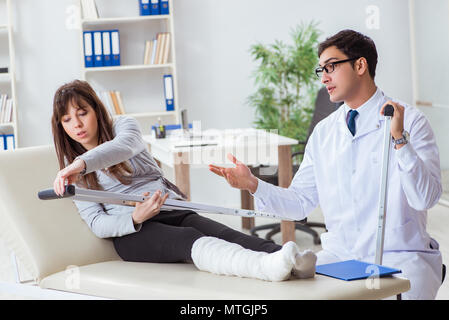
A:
(438, 219)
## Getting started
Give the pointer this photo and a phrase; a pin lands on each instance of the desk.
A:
(250, 146)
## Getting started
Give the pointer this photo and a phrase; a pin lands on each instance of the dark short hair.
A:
(354, 45)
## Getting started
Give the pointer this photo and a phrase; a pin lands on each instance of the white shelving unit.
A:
(8, 80)
(146, 107)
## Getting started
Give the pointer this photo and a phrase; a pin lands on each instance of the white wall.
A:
(431, 23)
(213, 38)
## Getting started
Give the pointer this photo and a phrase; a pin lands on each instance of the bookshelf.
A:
(140, 85)
(7, 59)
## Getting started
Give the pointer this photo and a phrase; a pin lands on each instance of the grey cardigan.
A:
(109, 220)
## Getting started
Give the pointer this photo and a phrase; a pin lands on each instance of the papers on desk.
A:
(354, 270)
(194, 143)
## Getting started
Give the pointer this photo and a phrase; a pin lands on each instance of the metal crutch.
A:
(81, 194)
(388, 113)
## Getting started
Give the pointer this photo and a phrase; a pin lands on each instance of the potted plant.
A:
(286, 83)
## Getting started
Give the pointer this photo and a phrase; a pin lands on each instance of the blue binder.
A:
(354, 270)
(144, 7)
(98, 49)
(171, 127)
(154, 9)
(115, 47)
(164, 7)
(107, 54)
(168, 92)
(88, 49)
(10, 142)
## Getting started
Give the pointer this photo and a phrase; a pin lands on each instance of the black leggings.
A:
(169, 237)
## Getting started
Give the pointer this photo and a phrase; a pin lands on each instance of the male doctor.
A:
(341, 171)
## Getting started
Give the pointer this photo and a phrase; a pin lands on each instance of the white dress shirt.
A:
(342, 174)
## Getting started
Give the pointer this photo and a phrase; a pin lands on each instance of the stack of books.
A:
(157, 50)
(112, 100)
(5, 109)
(89, 9)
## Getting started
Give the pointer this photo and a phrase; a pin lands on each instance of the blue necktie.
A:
(351, 121)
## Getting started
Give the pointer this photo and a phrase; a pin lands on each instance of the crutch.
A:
(388, 113)
(81, 194)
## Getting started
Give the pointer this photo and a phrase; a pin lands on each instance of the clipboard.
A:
(354, 270)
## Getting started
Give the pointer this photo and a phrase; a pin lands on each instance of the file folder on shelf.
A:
(115, 47)
(106, 40)
(88, 49)
(168, 91)
(98, 49)
(144, 7)
(354, 270)
(164, 7)
(154, 9)
(9, 142)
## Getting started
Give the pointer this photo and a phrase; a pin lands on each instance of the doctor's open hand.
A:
(69, 174)
(397, 121)
(239, 177)
(149, 208)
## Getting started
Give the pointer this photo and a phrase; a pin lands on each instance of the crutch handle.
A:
(389, 110)
(49, 194)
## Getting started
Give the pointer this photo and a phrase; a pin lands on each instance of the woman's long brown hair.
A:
(79, 93)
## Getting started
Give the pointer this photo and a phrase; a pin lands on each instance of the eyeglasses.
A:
(329, 67)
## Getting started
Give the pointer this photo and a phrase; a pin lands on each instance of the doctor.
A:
(342, 166)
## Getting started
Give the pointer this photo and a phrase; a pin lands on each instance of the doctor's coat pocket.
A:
(375, 158)
(405, 237)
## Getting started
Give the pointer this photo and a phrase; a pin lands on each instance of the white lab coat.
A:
(341, 173)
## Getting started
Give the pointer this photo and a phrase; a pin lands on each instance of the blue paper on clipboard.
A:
(354, 270)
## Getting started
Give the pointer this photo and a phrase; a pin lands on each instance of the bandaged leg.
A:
(226, 258)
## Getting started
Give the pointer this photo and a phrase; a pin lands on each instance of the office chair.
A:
(323, 108)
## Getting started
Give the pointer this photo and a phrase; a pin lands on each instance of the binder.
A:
(8, 111)
(9, 142)
(3, 101)
(168, 92)
(115, 102)
(354, 270)
(154, 9)
(144, 7)
(148, 51)
(159, 39)
(88, 49)
(2, 142)
(115, 47)
(153, 53)
(164, 7)
(120, 102)
(98, 49)
(166, 50)
(106, 41)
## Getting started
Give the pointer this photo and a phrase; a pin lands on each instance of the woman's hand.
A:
(149, 208)
(239, 177)
(69, 174)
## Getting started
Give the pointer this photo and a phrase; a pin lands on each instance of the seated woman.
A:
(98, 153)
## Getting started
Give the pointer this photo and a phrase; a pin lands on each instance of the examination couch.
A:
(59, 251)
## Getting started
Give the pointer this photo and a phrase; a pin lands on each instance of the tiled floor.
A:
(438, 220)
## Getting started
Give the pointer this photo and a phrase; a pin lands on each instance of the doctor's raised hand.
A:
(397, 121)
(239, 177)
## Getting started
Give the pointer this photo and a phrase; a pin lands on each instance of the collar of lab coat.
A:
(369, 118)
